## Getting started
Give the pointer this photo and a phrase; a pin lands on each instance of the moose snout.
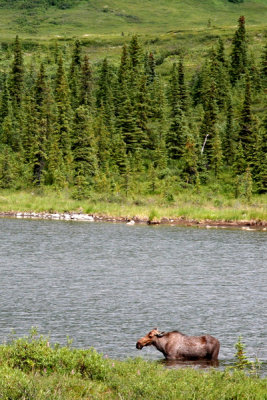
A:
(139, 346)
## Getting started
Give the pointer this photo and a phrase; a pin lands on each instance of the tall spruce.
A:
(247, 132)
(16, 75)
(84, 147)
(75, 74)
(150, 67)
(142, 109)
(104, 93)
(176, 137)
(103, 141)
(63, 119)
(127, 124)
(173, 94)
(239, 52)
(182, 92)
(39, 150)
(135, 52)
(220, 75)
(86, 83)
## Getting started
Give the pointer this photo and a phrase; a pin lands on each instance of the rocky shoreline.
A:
(182, 221)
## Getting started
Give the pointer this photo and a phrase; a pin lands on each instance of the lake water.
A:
(106, 285)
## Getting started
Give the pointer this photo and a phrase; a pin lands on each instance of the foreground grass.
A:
(30, 368)
(205, 205)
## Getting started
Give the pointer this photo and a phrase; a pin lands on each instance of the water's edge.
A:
(180, 221)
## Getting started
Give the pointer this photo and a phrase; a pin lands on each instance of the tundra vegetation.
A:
(158, 126)
(33, 368)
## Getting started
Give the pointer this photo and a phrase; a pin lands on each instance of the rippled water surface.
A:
(106, 285)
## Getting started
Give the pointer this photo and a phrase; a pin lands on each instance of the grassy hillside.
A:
(105, 17)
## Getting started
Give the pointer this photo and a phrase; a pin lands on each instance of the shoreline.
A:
(251, 225)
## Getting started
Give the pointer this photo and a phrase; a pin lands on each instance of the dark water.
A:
(106, 285)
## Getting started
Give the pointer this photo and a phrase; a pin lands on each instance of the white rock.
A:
(55, 216)
(88, 217)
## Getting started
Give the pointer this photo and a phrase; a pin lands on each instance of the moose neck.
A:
(160, 344)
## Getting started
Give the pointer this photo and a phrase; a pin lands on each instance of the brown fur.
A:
(177, 346)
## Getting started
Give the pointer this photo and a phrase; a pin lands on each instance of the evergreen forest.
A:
(126, 127)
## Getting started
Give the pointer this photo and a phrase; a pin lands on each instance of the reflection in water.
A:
(176, 364)
(105, 284)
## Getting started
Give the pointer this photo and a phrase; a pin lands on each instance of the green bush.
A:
(34, 353)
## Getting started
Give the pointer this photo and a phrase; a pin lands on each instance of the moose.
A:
(177, 346)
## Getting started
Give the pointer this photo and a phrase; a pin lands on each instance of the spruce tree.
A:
(123, 72)
(104, 94)
(16, 75)
(63, 119)
(40, 90)
(160, 155)
(136, 67)
(247, 132)
(76, 58)
(75, 74)
(7, 131)
(123, 80)
(219, 74)
(239, 164)
(150, 67)
(84, 146)
(38, 147)
(142, 109)
(221, 52)
(135, 53)
(239, 52)
(5, 102)
(86, 84)
(176, 137)
(55, 174)
(174, 91)
(182, 92)
(9, 168)
(127, 125)
(118, 153)
(103, 141)
(229, 142)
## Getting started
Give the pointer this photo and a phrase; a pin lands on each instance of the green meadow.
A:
(116, 17)
(104, 26)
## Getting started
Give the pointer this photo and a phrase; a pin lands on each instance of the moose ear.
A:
(160, 334)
